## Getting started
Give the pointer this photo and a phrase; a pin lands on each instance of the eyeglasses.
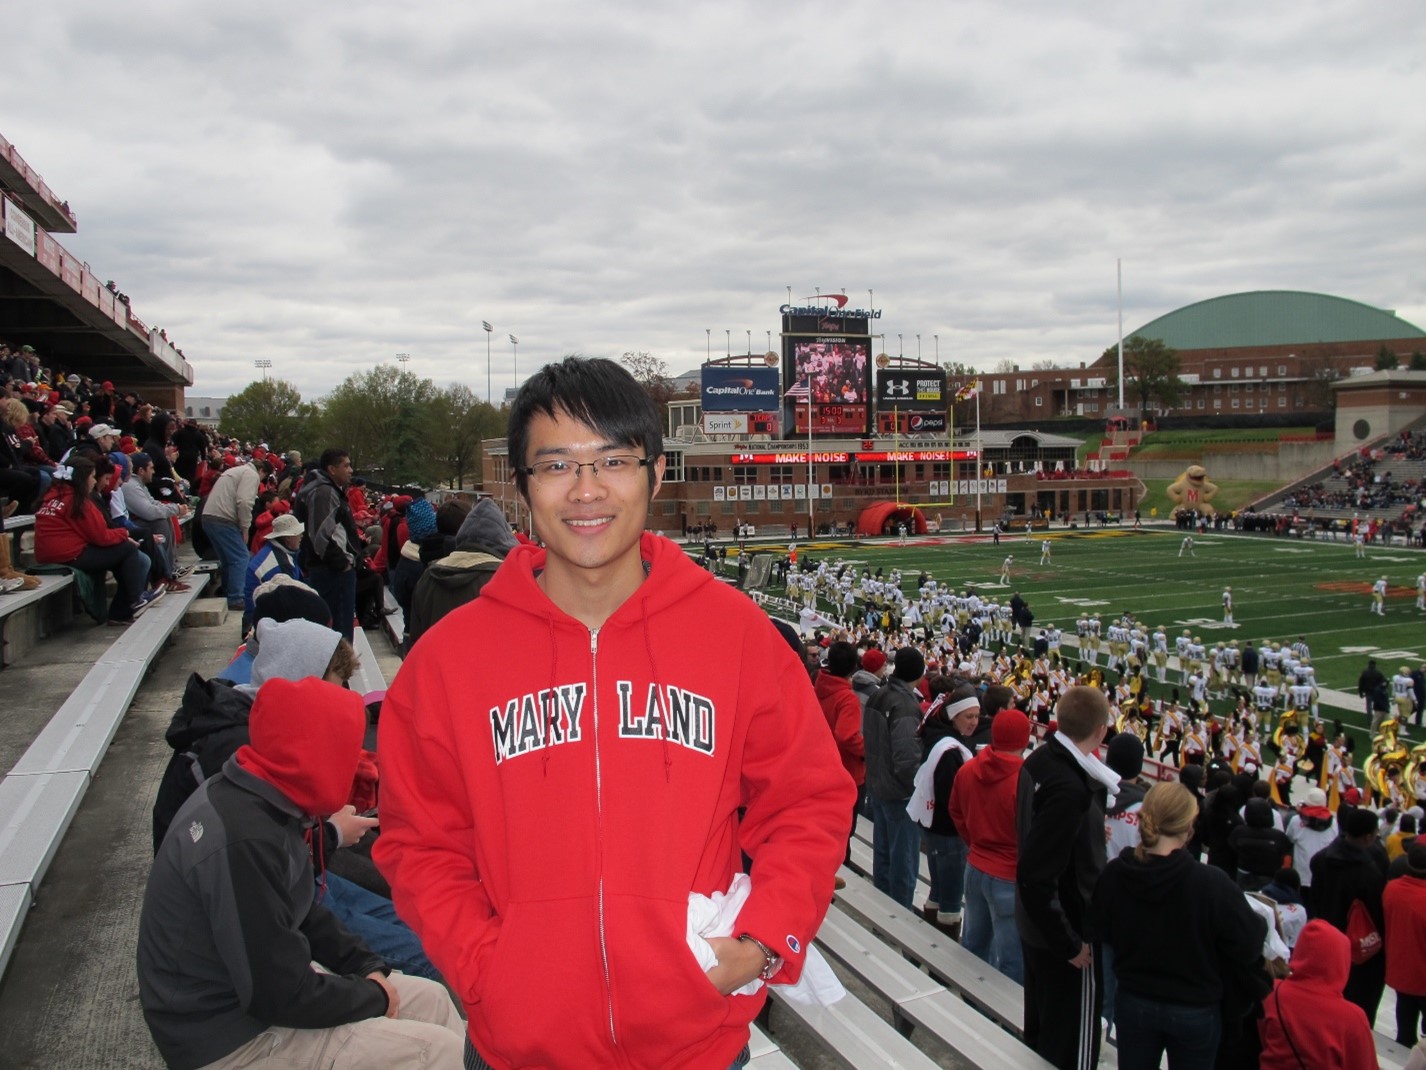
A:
(615, 468)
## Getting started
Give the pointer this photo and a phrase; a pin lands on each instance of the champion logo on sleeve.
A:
(794, 945)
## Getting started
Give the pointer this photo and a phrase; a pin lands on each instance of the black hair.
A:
(596, 392)
(335, 455)
(841, 659)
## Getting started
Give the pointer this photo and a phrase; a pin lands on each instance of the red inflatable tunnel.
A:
(881, 518)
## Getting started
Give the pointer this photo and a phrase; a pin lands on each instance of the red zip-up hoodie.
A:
(60, 538)
(550, 795)
(983, 809)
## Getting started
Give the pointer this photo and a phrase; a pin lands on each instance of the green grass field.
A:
(1282, 588)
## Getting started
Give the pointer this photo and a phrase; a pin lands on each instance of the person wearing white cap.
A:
(278, 554)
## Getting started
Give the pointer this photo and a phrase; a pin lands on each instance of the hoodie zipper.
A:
(599, 810)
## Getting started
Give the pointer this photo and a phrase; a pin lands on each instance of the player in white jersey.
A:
(1379, 597)
(1303, 698)
(1359, 541)
(1161, 653)
(1421, 591)
(1186, 547)
(1264, 697)
(1228, 607)
(1197, 689)
(1005, 569)
(1403, 694)
(1054, 639)
(1045, 551)
(1092, 639)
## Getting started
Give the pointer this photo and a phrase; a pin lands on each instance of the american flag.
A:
(798, 392)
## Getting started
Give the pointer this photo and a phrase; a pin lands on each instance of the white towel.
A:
(717, 915)
(922, 804)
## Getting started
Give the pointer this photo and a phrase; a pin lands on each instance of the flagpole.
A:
(979, 459)
(810, 476)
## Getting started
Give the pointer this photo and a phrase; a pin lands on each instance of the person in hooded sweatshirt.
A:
(547, 813)
(1310, 829)
(983, 801)
(230, 928)
(1307, 1023)
(481, 543)
(1261, 848)
(871, 675)
(423, 539)
(843, 711)
(1177, 927)
(1350, 868)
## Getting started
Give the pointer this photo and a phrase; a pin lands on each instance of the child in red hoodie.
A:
(983, 809)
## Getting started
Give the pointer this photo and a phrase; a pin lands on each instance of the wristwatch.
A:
(772, 962)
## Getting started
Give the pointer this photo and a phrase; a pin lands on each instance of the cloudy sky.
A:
(327, 185)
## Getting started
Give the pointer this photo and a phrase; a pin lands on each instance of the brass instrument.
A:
(1387, 753)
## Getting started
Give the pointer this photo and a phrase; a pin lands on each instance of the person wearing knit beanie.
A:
(873, 661)
(230, 925)
(420, 519)
(1010, 731)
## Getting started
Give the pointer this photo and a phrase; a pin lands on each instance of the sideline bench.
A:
(42, 792)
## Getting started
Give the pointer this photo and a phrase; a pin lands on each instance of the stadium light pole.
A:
(900, 346)
(750, 341)
(728, 331)
(515, 352)
(404, 358)
(263, 366)
(918, 347)
(937, 339)
(708, 350)
(489, 393)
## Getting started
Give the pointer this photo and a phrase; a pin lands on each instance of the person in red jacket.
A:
(1307, 1022)
(843, 710)
(983, 808)
(548, 812)
(1404, 907)
(70, 530)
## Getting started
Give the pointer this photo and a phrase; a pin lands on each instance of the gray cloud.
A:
(325, 186)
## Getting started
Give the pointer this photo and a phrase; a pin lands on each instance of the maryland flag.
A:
(968, 391)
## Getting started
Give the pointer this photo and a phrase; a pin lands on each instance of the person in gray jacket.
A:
(148, 512)
(230, 928)
(893, 754)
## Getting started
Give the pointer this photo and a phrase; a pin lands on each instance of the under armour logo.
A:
(900, 387)
(195, 831)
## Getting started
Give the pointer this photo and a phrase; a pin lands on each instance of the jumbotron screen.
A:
(828, 356)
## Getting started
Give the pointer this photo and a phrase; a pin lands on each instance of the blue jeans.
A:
(946, 861)
(373, 918)
(988, 930)
(130, 567)
(895, 850)
(1148, 1028)
(232, 551)
(338, 590)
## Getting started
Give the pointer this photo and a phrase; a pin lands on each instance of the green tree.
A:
(460, 422)
(272, 411)
(1418, 360)
(1320, 374)
(1386, 360)
(956, 369)
(385, 419)
(1150, 372)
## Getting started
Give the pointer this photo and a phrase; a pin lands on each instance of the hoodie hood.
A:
(208, 706)
(1322, 957)
(1156, 879)
(305, 741)
(514, 584)
(996, 767)
(486, 525)
(290, 650)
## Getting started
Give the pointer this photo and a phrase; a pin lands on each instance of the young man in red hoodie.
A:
(547, 812)
(983, 809)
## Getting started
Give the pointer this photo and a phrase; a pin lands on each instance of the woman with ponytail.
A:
(1183, 935)
(70, 529)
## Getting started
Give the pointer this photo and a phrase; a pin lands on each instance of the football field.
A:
(1282, 588)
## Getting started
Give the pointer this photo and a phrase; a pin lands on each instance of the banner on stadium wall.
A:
(718, 494)
(982, 486)
(19, 227)
(739, 389)
(916, 388)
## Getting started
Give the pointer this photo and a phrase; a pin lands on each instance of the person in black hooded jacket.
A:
(481, 543)
(1261, 848)
(1182, 933)
(1353, 867)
